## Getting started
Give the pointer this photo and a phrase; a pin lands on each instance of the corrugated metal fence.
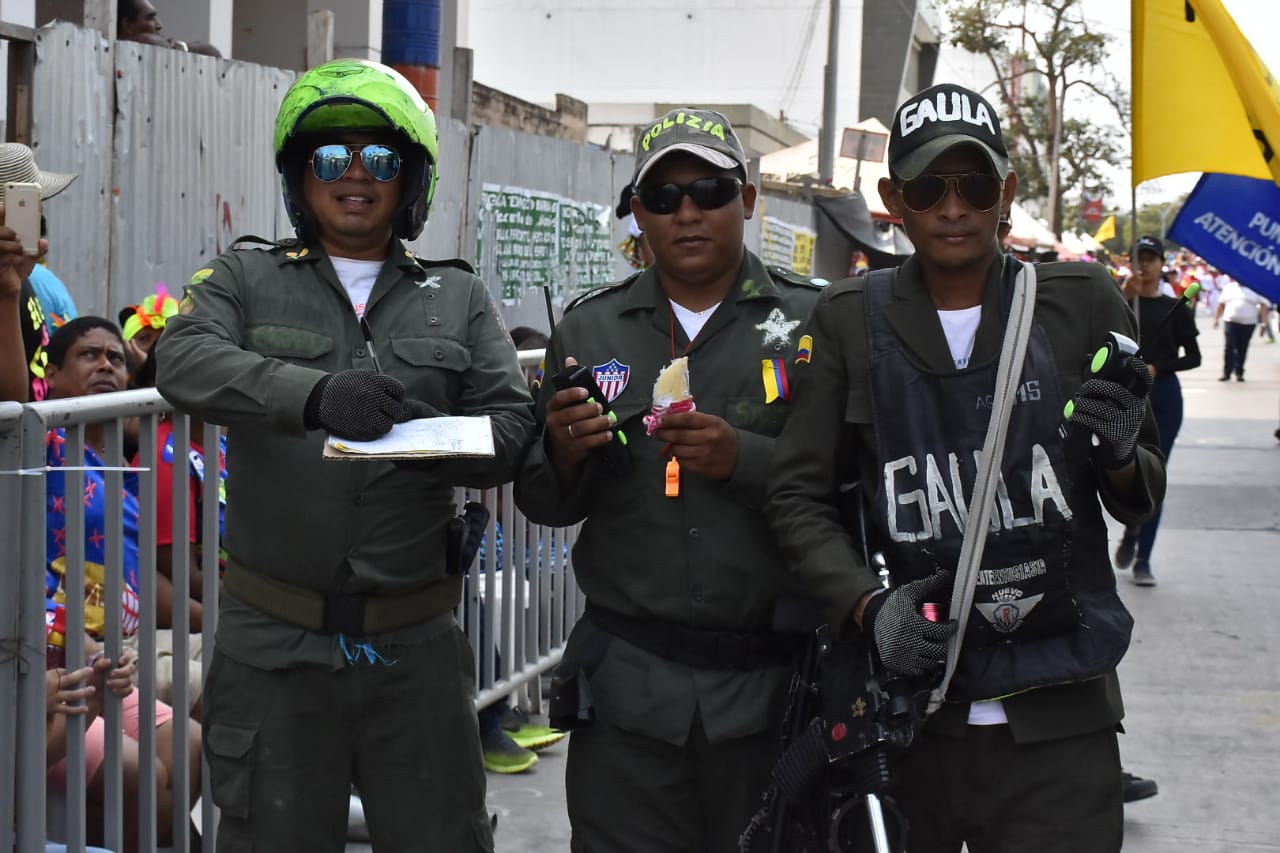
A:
(528, 615)
(174, 155)
(175, 161)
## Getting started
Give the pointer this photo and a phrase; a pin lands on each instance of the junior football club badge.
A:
(612, 377)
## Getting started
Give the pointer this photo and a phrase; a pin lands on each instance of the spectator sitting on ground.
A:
(68, 694)
(163, 467)
(86, 356)
(508, 739)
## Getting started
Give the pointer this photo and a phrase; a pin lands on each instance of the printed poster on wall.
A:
(527, 238)
(786, 245)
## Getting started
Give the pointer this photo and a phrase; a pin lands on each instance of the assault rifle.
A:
(846, 722)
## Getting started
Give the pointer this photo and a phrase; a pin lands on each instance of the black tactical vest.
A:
(1044, 611)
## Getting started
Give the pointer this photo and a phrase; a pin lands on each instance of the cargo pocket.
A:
(229, 751)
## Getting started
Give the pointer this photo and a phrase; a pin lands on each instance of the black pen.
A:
(368, 342)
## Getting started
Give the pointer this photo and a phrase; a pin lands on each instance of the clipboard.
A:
(422, 438)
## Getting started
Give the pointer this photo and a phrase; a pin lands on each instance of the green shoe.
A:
(527, 734)
(504, 755)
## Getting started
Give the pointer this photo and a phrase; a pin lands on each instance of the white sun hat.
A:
(18, 165)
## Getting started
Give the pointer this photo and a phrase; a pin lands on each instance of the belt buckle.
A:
(343, 614)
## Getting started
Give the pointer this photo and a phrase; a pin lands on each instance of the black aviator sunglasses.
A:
(707, 193)
(980, 190)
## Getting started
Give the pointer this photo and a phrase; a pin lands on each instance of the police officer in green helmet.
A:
(338, 660)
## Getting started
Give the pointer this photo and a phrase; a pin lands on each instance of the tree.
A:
(1050, 81)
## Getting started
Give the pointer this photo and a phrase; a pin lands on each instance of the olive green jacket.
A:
(831, 436)
(706, 559)
(258, 330)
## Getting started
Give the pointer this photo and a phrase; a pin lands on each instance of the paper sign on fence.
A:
(424, 438)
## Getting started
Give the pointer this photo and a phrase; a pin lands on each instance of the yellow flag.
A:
(1107, 230)
(1190, 52)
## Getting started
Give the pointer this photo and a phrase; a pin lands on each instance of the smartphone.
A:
(22, 214)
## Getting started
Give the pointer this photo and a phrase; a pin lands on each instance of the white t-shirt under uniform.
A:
(358, 278)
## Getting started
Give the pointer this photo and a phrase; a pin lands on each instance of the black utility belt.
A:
(354, 614)
(697, 647)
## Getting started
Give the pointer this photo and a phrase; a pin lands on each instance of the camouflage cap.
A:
(706, 134)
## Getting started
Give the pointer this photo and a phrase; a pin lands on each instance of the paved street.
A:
(1202, 679)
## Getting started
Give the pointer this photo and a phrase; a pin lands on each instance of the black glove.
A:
(1114, 414)
(357, 404)
(417, 409)
(908, 643)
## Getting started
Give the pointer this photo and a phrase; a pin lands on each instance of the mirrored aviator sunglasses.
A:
(330, 162)
(707, 193)
(979, 190)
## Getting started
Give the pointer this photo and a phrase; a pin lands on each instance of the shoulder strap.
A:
(790, 276)
(1009, 372)
(457, 263)
(288, 242)
(604, 288)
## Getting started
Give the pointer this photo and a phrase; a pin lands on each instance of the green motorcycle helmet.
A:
(357, 94)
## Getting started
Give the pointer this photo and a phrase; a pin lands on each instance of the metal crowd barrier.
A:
(529, 603)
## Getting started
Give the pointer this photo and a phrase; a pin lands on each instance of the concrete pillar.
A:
(449, 23)
(14, 12)
(357, 27)
(273, 33)
(198, 20)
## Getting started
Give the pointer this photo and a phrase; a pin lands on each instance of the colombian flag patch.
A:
(804, 351)
(774, 372)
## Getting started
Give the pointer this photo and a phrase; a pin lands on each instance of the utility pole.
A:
(827, 138)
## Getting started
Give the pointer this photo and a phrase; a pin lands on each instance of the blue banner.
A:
(1234, 223)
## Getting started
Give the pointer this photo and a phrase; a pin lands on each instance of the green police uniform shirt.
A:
(258, 329)
(707, 558)
(831, 435)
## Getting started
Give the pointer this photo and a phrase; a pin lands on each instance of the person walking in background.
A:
(1239, 306)
(337, 658)
(1167, 334)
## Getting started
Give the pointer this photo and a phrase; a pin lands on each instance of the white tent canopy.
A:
(1028, 233)
(798, 161)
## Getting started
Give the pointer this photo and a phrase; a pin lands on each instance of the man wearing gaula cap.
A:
(680, 570)
(1022, 754)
